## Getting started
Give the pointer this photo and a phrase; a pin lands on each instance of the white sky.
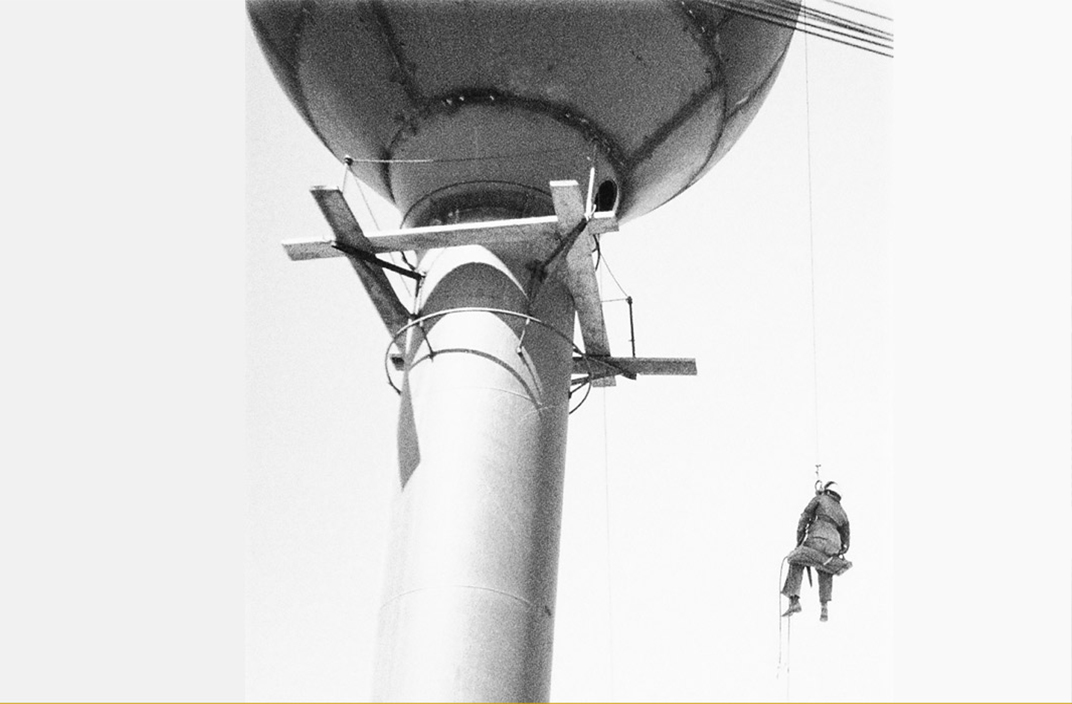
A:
(141, 370)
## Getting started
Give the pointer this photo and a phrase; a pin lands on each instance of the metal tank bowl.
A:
(451, 104)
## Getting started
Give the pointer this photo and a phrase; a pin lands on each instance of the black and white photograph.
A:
(537, 350)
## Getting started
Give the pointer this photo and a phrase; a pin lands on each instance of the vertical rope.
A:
(606, 511)
(788, 656)
(781, 569)
(788, 633)
(606, 504)
(811, 255)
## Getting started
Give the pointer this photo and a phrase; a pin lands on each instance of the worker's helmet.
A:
(828, 488)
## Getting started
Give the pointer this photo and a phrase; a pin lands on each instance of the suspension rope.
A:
(606, 504)
(811, 256)
(788, 657)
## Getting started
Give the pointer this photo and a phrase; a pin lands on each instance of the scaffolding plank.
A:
(569, 204)
(486, 234)
(490, 233)
(646, 366)
(302, 250)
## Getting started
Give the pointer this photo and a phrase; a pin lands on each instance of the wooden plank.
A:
(603, 222)
(647, 366)
(490, 233)
(339, 216)
(483, 233)
(344, 225)
(302, 250)
(569, 204)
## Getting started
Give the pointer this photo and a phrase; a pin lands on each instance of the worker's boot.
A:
(822, 614)
(794, 606)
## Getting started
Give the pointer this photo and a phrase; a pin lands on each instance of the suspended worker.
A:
(822, 541)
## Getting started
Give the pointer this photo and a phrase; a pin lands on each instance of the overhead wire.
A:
(819, 23)
(831, 18)
(790, 11)
(878, 46)
(860, 10)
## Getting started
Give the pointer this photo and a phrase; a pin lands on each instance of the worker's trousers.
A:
(796, 576)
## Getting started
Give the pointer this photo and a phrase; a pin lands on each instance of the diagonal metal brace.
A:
(373, 259)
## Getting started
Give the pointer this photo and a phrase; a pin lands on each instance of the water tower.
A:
(511, 135)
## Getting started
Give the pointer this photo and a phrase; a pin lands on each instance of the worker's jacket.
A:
(822, 536)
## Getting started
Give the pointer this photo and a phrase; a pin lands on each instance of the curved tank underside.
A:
(439, 102)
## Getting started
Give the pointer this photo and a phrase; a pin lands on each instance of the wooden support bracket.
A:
(631, 367)
(348, 234)
(580, 273)
(568, 237)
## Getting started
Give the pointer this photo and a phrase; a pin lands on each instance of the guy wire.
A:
(376, 224)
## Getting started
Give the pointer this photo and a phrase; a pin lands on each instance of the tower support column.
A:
(468, 608)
